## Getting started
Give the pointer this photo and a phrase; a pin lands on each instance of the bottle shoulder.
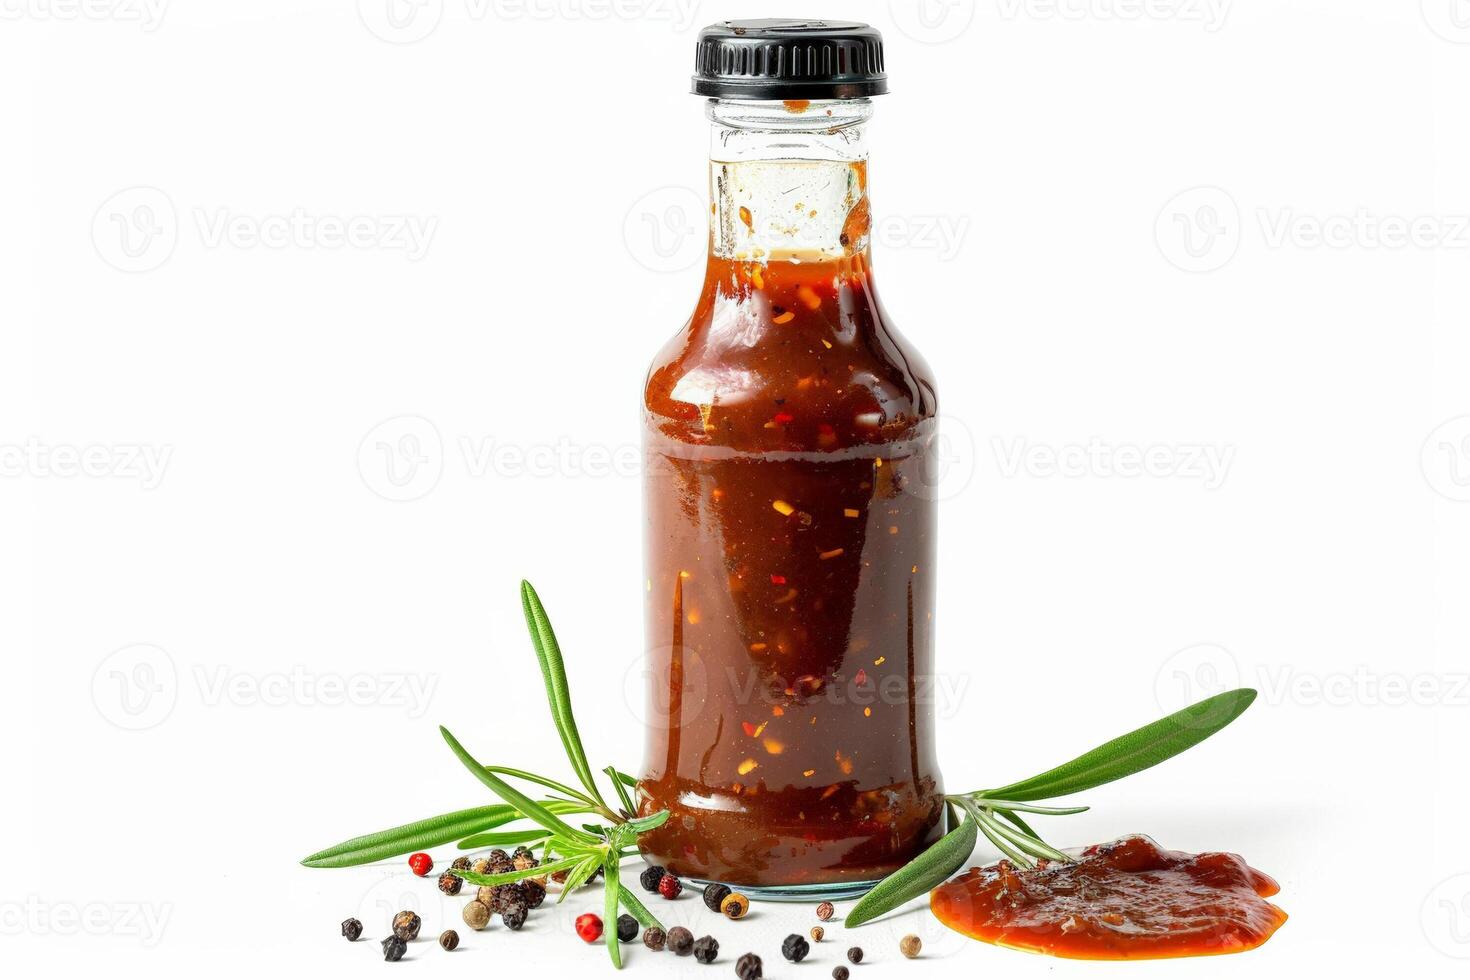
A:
(809, 362)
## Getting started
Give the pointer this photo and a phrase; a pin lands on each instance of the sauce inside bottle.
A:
(790, 533)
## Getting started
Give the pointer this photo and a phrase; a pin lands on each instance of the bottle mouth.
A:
(758, 60)
(789, 115)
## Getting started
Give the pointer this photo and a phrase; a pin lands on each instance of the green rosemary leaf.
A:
(636, 908)
(524, 805)
(417, 836)
(1016, 820)
(610, 908)
(624, 778)
(651, 822)
(475, 878)
(1028, 844)
(541, 780)
(622, 791)
(501, 838)
(558, 694)
(1134, 752)
(1049, 811)
(924, 872)
(578, 876)
(1013, 855)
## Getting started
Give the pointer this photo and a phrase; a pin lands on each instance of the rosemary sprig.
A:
(996, 813)
(579, 851)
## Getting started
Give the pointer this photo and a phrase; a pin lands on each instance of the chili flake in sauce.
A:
(1121, 901)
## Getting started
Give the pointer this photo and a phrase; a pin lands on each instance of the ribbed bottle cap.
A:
(778, 59)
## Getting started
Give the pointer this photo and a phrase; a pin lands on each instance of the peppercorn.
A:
(501, 867)
(681, 940)
(839, 973)
(748, 967)
(910, 945)
(508, 895)
(560, 877)
(351, 928)
(498, 856)
(795, 948)
(449, 940)
(460, 864)
(406, 925)
(394, 948)
(589, 927)
(627, 928)
(514, 916)
(651, 876)
(714, 894)
(669, 886)
(477, 915)
(420, 863)
(486, 896)
(654, 938)
(825, 911)
(817, 933)
(533, 893)
(855, 955)
(450, 884)
(735, 906)
(706, 948)
(481, 866)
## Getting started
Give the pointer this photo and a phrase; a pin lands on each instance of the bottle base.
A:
(832, 891)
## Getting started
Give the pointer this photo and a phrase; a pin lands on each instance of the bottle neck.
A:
(789, 181)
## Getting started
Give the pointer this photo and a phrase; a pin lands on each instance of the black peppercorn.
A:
(351, 928)
(627, 928)
(839, 973)
(393, 949)
(706, 948)
(450, 884)
(513, 915)
(855, 955)
(715, 894)
(406, 926)
(460, 864)
(748, 967)
(497, 856)
(654, 938)
(510, 894)
(795, 948)
(649, 879)
(449, 940)
(533, 893)
(681, 940)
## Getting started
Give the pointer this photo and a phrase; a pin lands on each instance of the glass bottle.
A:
(790, 525)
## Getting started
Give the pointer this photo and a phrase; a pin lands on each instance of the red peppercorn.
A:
(589, 927)
(669, 886)
(420, 863)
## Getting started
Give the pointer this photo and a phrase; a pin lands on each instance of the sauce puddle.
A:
(1128, 900)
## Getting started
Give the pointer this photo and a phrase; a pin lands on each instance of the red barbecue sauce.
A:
(1128, 900)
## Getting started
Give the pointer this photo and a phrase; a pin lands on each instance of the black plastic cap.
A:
(778, 59)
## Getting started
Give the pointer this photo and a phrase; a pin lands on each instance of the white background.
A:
(240, 474)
